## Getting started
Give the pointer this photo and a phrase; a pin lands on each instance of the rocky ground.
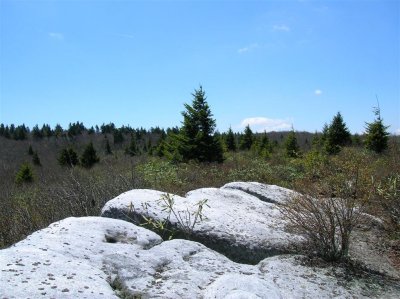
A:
(99, 257)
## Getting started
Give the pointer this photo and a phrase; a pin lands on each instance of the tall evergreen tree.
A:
(12, 130)
(89, 156)
(7, 132)
(20, 133)
(2, 129)
(46, 130)
(132, 149)
(230, 141)
(91, 130)
(337, 136)
(247, 139)
(377, 137)
(107, 129)
(264, 148)
(292, 149)
(36, 132)
(58, 130)
(118, 136)
(76, 129)
(196, 139)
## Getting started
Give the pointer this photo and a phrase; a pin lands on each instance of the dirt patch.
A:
(370, 247)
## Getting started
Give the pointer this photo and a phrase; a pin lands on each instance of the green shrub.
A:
(68, 157)
(89, 156)
(160, 174)
(24, 174)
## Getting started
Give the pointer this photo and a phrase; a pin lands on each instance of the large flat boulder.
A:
(93, 257)
(242, 220)
(268, 193)
(66, 259)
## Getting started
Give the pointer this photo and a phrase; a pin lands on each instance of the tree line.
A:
(197, 138)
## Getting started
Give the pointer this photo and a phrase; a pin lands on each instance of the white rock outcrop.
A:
(94, 257)
(242, 220)
(66, 259)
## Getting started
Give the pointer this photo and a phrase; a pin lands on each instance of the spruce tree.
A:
(12, 130)
(377, 137)
(7, 132)
(58, 130)
(247, 139)
(24, 174)
(337, 135)
(132, 149)
(118, 136)
(36, 132)
(291, 146)
(46, 130)
(30, 150)
(20, 133)
(68, 157)
(230, 141)
(89, 156)
(91, 130)
(196, 139)
(264, 146)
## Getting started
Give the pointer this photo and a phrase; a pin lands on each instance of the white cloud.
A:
(56, 36)
(397, 132)
(318, 92)
(261, 124)
(283, 28)
(248, 48)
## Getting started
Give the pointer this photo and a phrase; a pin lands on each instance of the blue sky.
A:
(267, 63)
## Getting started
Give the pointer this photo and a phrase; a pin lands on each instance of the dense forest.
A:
(48, 173)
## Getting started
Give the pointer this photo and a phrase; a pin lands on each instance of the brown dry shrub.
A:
(330, 207)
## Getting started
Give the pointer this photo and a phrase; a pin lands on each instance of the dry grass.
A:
(58, 192)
